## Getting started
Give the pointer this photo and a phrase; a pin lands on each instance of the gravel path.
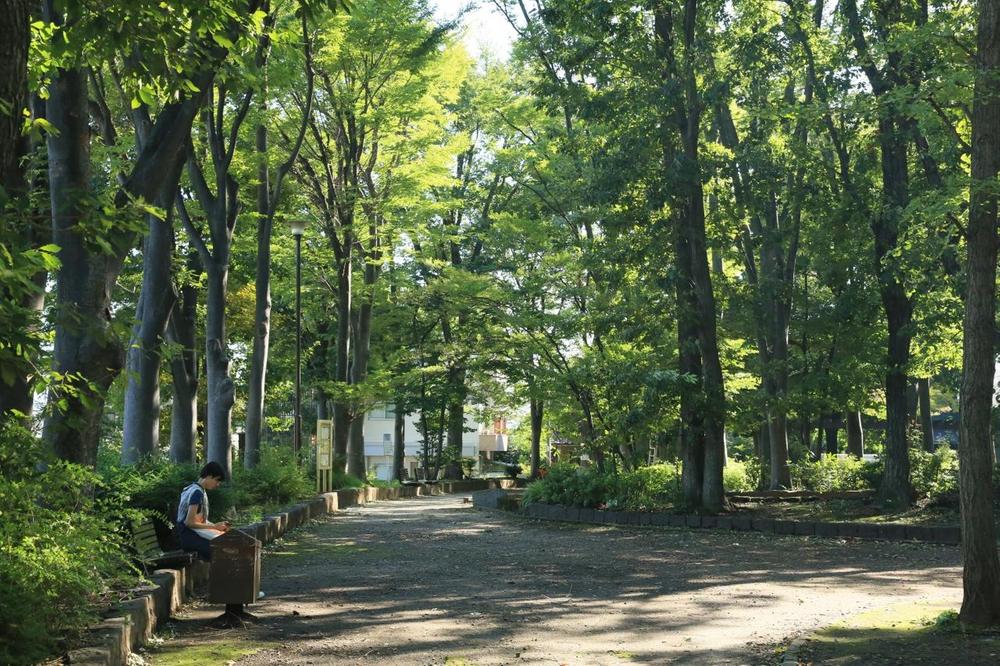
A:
(434, 581)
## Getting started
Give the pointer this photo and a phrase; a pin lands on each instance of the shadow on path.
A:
(431, 580)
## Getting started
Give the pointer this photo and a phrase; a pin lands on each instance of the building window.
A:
(382, 412)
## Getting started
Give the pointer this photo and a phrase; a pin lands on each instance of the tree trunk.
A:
(926, 425)
(85, 347)
(220, 388)
(398, 442)
(714, 408)
(456, 412)
(830, 435)
(342, 413)
(362, 354)
(912, 402)
(262, 309)
(184, 369)
(781, 474)
(981, 574)
(899, 314)
(762, 447)
(15, 34)
(537, 410)
(322, 405)
(855, 434)
(356, 447)
(141, 431)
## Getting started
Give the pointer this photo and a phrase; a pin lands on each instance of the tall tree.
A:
(269, 190)
(887, 82)
(981, 574)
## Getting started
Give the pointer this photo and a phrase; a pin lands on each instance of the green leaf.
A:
(222, 41)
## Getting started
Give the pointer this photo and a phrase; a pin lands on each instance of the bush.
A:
(154, 485)
(647, 488)
(276, 480)
(60, 550)
(934, 475)
(831, 473)
(572, 486)
(739, 476)
(643, 489)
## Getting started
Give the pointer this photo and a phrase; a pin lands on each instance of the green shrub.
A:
(648, 488)
(644, 489)
(831, 473)
(934, 475)
(571, 485)
(60, 550)
(154, 485)
(345, 480)
(739, 476)
(276, 480)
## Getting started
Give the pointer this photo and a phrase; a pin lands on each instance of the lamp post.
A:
(298, 227)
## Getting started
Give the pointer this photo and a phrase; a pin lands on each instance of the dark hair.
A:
(214, 470)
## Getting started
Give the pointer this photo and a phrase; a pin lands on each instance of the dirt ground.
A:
(434, 581)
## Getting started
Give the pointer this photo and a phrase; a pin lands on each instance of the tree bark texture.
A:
(184, 370)
(141, 430)
(220, 388)
(830, 435)
(15, 34)
(262, 309)
(398, 443)
(855, 434)
(342, 411)
(981, 574)
(537, 415)
(85, 351)
(692, 434)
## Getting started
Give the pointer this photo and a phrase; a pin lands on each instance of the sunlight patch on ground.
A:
(214, 652)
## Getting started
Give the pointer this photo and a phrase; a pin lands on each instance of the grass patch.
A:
(914, 633)
(214, 652)
(457, 661)
(855, 511)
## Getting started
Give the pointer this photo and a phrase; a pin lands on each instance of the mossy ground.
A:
(204, 651)
(902, 634)
(855, 511)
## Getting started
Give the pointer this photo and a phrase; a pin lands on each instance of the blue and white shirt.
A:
(193, 495)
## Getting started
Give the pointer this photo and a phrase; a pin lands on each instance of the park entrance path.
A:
(434, 581)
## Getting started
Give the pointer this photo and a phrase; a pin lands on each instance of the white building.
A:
(380, 421)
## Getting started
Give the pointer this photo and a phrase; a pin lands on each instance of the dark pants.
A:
(192, 543)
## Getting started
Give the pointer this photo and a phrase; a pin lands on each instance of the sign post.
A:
(324, 455)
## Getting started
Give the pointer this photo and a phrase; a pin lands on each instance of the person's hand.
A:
(225, 527)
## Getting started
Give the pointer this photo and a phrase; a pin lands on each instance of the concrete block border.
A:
(944, 535)
(132, 623)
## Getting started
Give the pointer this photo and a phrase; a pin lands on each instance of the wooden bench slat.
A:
(148, 548)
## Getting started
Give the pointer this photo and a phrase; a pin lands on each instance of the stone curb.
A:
(791, 656)
(494, 499)
(133, 622)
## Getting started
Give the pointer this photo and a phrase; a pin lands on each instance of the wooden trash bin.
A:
(234, 576)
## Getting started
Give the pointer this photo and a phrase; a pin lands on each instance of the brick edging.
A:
(133, 622)
(947, 535)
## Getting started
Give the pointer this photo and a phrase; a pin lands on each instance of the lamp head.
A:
(297, 226)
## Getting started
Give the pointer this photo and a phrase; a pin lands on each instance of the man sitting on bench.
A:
(194, 531)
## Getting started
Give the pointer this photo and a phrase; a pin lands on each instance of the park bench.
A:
(148, 551)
